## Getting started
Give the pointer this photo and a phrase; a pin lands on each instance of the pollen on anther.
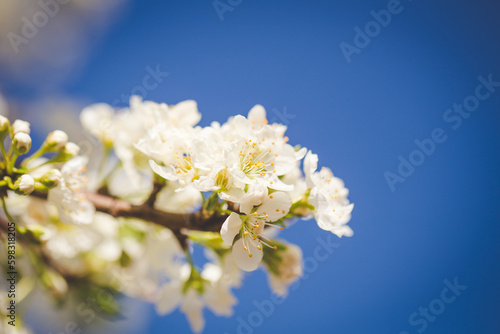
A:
(245, 233)
(277, 210)
(271, 196)
(250, 255)
(283, 211)
(281, 228)
(275, 247)
(259, 248)
(245, 248)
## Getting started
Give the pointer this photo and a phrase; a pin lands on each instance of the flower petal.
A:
(276, 206)
(169, 297)
(192, 306)
(231, 228)
(310, 166)
(257, 113)
(165, 172)
(242, 257)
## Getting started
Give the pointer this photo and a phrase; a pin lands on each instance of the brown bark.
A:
(174, 221)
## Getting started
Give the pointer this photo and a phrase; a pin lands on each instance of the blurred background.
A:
(358, 92)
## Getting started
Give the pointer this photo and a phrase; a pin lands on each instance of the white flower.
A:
(254, 150)
(217, 294)
(123, 186)
(97, 119)
(150, 130)
(148, 270)
(24, 185)
(71, 202)
(289, 269)
(180, 155)
(295, 178)
(191, 303)
(247, 250)
(329, 197)
(171, 199)
(141, 120)
(310, 166)
(192, 306)
(129, 128)
(182, 115)
(20, 126)
(193, 292)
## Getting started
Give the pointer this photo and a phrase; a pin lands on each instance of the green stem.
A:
(12, 164)
(4, 154)
(190, 259)
(35, 155)
(8, 181)
(9, 217)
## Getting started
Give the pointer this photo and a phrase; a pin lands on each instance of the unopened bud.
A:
(4, 126)
(69, 151)
(20, 126)
(24, 185)
(51, 179)
(55, 141)
(21, 143)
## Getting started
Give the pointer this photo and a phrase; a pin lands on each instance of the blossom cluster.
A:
(243, 172)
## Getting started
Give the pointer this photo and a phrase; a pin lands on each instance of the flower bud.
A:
(55, 141)
(20, 126)
(21, 143)
(4, 126)
(68, 152)
(24, 185)
(51, 179)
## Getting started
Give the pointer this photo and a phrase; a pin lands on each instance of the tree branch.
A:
(174, 221)
(157, 187)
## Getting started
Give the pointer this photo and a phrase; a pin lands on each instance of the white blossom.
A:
(71, 202)
(242, 172)
(329, 197)
(247, 251)
(97, 119)
(289, 270)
